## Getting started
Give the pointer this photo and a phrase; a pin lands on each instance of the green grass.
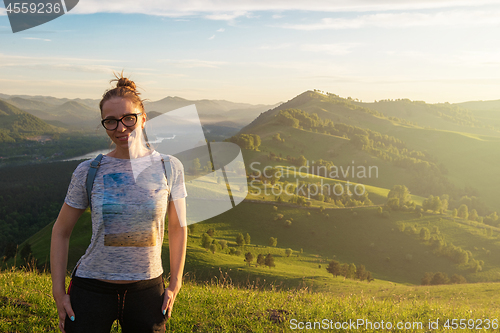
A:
(359, 236)
(26, 305)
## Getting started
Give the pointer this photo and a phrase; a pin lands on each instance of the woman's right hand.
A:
(64, 308)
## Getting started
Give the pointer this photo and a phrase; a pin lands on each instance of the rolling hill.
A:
(456, 149)
(17, 124)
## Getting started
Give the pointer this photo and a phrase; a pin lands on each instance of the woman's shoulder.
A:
(84, 166)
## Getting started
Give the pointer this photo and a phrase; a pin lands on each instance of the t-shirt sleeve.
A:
(76, 196)
(178, 188)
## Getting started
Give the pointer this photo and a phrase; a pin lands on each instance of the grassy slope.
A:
(470, 159)
(359, 236)
(315, 146)
(467, 154)
(26, 305)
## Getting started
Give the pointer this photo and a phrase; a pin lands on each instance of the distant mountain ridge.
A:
(221, 118)
(18, 124)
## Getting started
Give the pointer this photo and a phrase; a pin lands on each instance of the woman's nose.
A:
(121, 127)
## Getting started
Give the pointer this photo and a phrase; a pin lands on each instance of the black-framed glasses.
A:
(127, 120)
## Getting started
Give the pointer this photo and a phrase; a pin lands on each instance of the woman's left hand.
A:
(168, 300)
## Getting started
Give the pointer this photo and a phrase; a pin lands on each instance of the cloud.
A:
(276, 46)
(332, 49)
(60, 63)
(194, 63)
(34, 38)
(276, 16)
(452, 18)
(3, 12)
(221, 30)
(229, 9)
(211, 37)
(226, 16)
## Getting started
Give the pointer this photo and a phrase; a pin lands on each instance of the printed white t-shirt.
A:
(129, 205)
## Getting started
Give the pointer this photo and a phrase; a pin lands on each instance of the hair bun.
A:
(126, 83)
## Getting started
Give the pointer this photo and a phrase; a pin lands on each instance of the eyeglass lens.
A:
(128, 121)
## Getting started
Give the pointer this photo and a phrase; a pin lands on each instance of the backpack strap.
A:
(168, 173)
(94, 165)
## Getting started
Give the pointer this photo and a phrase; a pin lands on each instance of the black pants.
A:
(98, 304)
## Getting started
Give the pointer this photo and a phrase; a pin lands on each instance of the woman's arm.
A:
(61, 232)
(177, 240)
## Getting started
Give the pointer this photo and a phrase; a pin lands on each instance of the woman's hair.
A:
(125, 88)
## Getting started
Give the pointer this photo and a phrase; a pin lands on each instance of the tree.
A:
(425, 234)
(436, 205)
(192, 228)
(273, 241)
(240, 240)
(248, 258)
(301, 161)
(223, 244)
(10, 250)
(213, 247)
(462, 257)
(272, 175)
(393, 203)
(210, 232)
(208, 167)
(247, 238)
(473, 216)
(361, 141)
(269, 261)
(287, 224)
(196, 165)
(351, 271)
(261, 260)
(344, 270)
(426, 280)
(206, 240)
(400, 192)
(256, 141)
(491, 219)
(463, 212)
(361, 272)
(440, 278)
(333, 267)
(457, 279)
(427, 203)
(288, 252)
(444, 206)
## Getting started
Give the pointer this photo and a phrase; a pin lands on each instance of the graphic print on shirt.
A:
(130, 209)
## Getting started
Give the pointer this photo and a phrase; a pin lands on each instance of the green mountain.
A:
(17, 124)
(431, 149)
(70, 114)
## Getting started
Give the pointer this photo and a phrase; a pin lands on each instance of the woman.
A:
(120, 275)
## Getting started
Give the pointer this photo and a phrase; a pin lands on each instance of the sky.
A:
(261, 52)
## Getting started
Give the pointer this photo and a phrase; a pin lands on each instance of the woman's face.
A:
(116, 108)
